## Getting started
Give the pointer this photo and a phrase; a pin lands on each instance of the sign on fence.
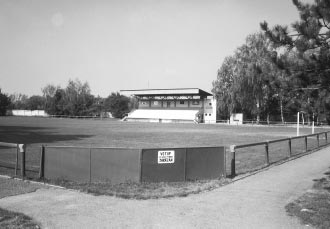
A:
(167, 156)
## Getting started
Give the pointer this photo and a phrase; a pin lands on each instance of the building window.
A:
(155, 102)
(210, 104)
(205, 114)
(182, 102)
(209, 114)
(195, 102)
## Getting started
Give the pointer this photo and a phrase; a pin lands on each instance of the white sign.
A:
(166, 156)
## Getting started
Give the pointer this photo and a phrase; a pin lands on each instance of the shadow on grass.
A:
(30, 135)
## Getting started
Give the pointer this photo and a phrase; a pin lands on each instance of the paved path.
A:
(254, 202)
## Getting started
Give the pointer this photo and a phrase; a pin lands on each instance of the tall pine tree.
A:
(309, 41)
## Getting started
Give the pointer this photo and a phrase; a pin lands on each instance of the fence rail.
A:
(20, 148)
(266, 144)
(311, 141)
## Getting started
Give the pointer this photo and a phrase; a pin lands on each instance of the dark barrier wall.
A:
(96, 164)
(152, 171)
(122, 165)
(67, 163)
(205, 163)
(188, 164)
(116, 165)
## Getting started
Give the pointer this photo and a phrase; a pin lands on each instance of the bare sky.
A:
(125, 44)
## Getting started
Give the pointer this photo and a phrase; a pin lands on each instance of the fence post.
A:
(267, 152)
(42, 162)
(306, 144)
(318, 140)
(232, 152)
(16, 164)
(90, 164)
(326, 138)
(140, 165)
(22, 148)
(290, 149)
(185, 165)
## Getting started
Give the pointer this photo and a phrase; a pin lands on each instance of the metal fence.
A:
(268, 152)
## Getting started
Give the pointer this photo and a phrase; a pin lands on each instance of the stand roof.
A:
(167, 92)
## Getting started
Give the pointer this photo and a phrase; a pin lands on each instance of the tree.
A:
(36, 102)
(309, 41)
(4, 103)
(223, 89)
(48, 93)
(245, 81)
(78, 98)
(19, 101)
(117, 104)
(74, 100)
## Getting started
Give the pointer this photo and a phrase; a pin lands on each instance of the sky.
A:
(125, 44)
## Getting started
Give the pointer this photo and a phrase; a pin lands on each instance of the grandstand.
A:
(172, 105)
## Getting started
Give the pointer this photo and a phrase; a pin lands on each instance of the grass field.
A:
(36, 131)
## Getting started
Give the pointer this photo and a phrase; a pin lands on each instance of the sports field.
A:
(113, 133)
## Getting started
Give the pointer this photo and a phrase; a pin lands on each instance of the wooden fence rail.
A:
(267, 143)
(20, 148)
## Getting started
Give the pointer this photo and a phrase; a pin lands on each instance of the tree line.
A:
(73, 100)
(281, 70)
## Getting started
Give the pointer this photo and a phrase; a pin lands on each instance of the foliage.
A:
(74, 100)
(117, 104)
(249, 81)
(36, 102)
(19, 101)
(309, 43)
(279, 70)
(23, 102)
(4, 103)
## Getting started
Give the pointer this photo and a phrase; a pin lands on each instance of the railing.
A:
(265, 123)
(266, 144)
(20, 148)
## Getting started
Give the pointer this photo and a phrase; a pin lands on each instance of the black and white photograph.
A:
(164, 114)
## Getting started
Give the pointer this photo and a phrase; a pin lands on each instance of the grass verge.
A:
(313, 208)
(11, 220)
(11, 187)
(143, 191)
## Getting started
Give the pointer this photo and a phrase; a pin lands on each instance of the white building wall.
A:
(210, 110)
(40, 113)
(236, 119)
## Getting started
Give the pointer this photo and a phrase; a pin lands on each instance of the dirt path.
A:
(254, 202)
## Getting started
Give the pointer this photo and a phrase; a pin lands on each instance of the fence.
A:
(308, 144)
(10, 153)
(93, 164)
(119, 165)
